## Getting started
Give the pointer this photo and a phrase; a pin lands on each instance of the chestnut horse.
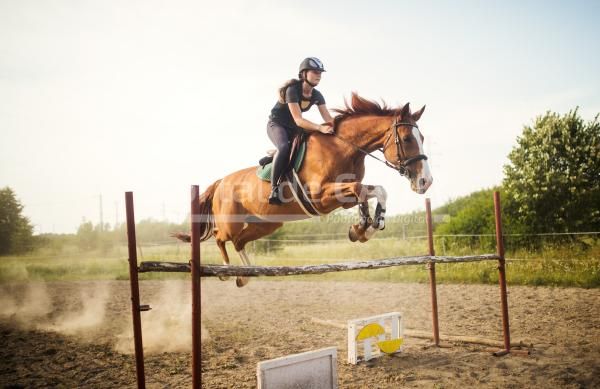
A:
(235, 208)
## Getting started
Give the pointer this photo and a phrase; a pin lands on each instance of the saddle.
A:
(297, 152)
(290, 176)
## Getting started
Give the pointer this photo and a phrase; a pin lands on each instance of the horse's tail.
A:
(207, 219)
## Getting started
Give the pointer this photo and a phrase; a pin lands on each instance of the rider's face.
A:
(313, 76)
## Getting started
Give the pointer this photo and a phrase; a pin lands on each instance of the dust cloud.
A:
(89, 308)
(167, 327)
(27, 306)
(88, 314)
(31, 307)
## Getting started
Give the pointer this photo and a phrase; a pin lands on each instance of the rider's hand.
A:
(326, 128)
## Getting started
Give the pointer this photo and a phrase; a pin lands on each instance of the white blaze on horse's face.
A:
(423, 179)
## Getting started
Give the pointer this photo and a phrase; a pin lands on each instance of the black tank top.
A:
(281, 114)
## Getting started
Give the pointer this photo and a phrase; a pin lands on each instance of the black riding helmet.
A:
(310, 63)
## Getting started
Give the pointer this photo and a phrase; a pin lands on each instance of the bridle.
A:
(402, 164)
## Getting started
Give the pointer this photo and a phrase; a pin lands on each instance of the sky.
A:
(102, 97)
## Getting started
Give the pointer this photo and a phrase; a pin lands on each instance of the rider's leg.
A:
(280, 138)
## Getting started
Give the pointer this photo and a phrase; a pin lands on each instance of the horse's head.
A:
(403, 148)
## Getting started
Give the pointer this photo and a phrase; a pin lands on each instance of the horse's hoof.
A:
(223, 278)
(241, 281)
(379, 225)
(352, 234)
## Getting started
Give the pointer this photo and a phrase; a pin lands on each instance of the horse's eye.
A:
(406, 139)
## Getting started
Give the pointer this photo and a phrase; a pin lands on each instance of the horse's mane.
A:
(360, 107)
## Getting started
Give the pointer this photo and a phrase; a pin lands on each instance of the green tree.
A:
(87, 236)
(15, 230)
(471, 217)
(553, 178)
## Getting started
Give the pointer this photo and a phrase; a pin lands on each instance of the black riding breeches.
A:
(281, 138)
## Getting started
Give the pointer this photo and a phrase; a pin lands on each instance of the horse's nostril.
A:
(422, 182)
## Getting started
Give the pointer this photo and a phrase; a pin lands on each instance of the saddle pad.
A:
(264, 172)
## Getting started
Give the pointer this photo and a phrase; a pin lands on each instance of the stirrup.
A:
(274, 197)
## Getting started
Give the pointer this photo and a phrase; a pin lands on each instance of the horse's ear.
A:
(405, 111)
(417, 115)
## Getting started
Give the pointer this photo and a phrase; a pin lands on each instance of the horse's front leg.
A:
(357, 231)
(347, 195)
(367, 227)
(380, 194)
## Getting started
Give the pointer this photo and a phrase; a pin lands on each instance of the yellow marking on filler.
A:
(390, 346)
(370, 330)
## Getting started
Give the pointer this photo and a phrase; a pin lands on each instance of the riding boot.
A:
(274, 197)
(279, 164)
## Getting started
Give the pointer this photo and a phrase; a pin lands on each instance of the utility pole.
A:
(101, 215)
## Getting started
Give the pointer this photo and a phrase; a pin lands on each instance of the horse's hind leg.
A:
(242, 281)
(253, 231)
(223, 249)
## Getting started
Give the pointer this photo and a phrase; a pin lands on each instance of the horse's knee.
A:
(239, 241)
(238, 245)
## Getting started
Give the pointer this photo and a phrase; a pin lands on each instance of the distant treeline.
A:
(93, 237)
(463, 223)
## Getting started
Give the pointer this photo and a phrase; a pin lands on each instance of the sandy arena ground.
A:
(78, 334)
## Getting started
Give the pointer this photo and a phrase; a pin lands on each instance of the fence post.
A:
(431, 266)
(196, 304)
(135, 292)
(501, 275)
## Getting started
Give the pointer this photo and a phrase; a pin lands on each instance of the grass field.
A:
(563, 266)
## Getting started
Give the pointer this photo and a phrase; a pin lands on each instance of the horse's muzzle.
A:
(420, 185)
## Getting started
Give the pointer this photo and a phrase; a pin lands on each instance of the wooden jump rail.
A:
(208, 270)
(275, 271)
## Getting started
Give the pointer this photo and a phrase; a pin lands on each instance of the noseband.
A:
(401, 164)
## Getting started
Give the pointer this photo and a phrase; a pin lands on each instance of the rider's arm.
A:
(325, 113)
(306, 124)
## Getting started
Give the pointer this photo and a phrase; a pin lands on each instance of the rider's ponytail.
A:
(284, 88)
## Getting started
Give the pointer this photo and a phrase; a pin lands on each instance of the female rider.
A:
(295, 96)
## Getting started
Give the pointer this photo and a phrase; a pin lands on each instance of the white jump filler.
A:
(377, 334)
(312, 370)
